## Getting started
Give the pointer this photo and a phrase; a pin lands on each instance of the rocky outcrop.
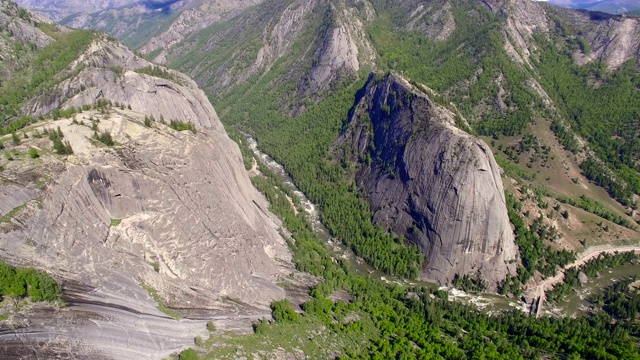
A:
(161, 217)
(317, 45)
(430, 181)
(278, 39)
(174, 211)
(345, 48)
(614, 39)
(108, 70)
(434, 19)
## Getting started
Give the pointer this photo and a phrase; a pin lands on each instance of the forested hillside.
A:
(456, 48)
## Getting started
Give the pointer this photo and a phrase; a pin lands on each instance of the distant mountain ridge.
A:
(608, 6)
(59, 9)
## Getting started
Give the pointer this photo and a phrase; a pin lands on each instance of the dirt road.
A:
(538, 291)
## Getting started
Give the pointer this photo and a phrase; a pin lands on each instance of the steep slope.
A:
(309, 47)
(133, 24)
(19, 40)
(431, 182)
(191, 21)
(139, 217)
(340, 52)
(612, 39)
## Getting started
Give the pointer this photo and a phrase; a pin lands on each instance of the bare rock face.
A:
(614, 39)
(23, 29)
(434, 19)
(108, 70)
(430, 181)
(174, 211)
(164, 213)
(345, 48)
(180, 200)
(279, 39)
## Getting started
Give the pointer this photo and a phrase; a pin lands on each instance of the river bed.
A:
(577, 304)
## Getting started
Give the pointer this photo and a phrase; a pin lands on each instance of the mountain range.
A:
(607, 6)
(386, 157)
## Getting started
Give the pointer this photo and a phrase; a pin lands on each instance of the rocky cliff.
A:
(161, 219)
(430, 181)
(109, 70)
(19, 24)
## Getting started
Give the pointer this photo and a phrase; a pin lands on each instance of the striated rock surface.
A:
(430, 181)
(162, 219)
(174, 211)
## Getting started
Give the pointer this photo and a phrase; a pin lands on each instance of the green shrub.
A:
(19, 282)
(182, 126)
(283, 313)
(33, 153)
(157, 72)
(261, 327)
(105, 138)
(189, 354)
(59, 146)
(211, 326)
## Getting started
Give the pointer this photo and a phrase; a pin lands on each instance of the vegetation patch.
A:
(21, 282)
(59, 146)
(40, 74)
(590, 205)
(388, 321)
(157, 71)
(161, 305)
(10, 215)
(182, 126)
(105, 138)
